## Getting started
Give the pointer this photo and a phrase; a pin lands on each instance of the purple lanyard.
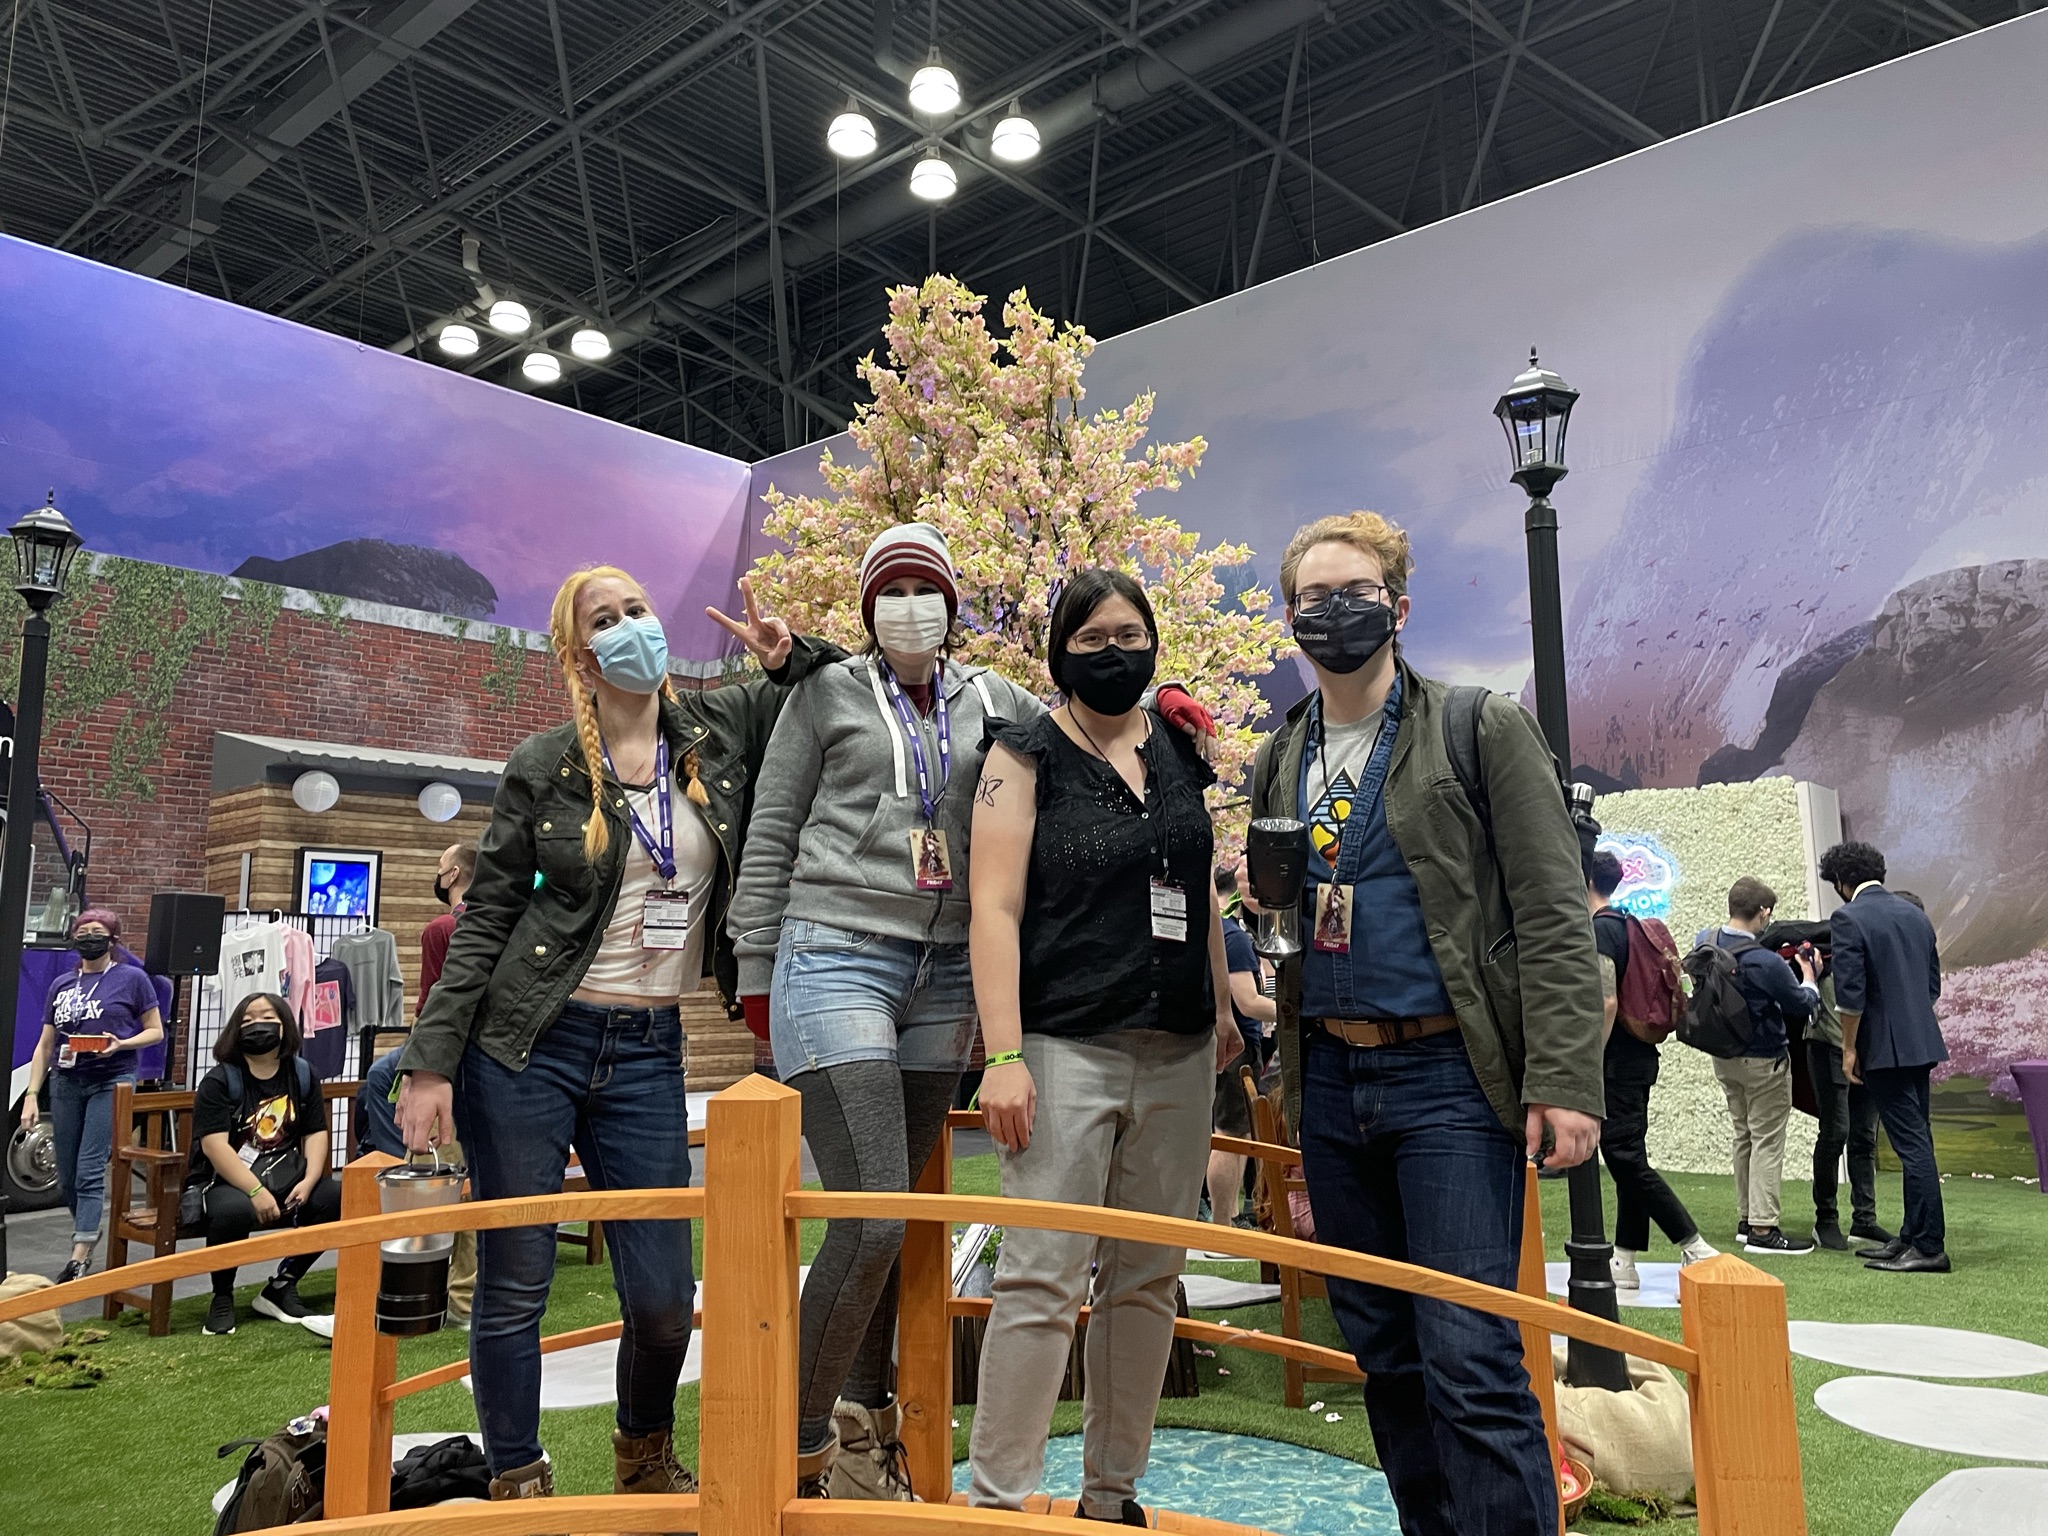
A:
(663, 853)
(926, 798)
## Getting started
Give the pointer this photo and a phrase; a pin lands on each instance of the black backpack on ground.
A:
(282, 1478)
(1717, 1018)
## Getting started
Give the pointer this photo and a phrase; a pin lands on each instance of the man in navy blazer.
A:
(1887, 976)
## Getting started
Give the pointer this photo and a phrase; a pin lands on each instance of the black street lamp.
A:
(44, 546)
(1535, 412)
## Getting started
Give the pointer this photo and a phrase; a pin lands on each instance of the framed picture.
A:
(339, 882)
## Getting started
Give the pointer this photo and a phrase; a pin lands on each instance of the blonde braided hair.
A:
(566, 637)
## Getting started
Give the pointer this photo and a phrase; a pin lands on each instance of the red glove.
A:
(755, 1006)
(1177, 708)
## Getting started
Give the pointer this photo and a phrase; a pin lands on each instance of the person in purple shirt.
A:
(98, 1016)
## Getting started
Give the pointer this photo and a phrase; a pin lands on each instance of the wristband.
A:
(1003, 1058)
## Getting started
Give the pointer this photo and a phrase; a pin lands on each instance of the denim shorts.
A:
(840, 996)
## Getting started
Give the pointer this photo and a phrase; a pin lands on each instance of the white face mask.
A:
(911, 626)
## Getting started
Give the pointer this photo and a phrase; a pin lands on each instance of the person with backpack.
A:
(1643, 1003)
(260, 1151)
(1744, 999)
(1442, 1027)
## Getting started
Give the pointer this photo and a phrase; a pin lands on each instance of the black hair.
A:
(1085, 592)
(1226, 880)
(1909, 896)
(228, 1047)
(1851, 864)
(1606, 877)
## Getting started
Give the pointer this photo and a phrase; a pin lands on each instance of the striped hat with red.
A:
(916, 550)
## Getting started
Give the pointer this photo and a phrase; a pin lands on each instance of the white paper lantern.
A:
(440, 802)
(316, 791)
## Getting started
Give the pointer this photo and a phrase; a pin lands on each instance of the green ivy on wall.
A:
(506, 674)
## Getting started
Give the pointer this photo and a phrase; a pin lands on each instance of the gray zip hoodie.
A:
(829, 840)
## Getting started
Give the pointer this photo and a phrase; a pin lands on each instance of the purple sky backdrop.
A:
(180, 429)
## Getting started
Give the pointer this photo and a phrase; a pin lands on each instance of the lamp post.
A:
(44, 545)
(1535, 412)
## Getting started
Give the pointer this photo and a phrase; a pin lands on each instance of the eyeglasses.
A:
(1134, 637)
(1361, 591)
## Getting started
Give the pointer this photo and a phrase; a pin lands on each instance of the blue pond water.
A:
(1277, 1487)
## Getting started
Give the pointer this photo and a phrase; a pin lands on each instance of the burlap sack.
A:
(1637, 1442)
(42, 1331)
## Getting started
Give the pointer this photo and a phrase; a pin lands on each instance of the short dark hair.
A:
(1909, 896)
(228, 1047)
(1749, 896)
(1226, 879)
(1085, 592)
(1606, 876)
(1851, 864)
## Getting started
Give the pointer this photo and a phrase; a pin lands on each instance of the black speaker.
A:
(184, 933)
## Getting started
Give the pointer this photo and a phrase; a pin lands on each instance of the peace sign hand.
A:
(765, 637)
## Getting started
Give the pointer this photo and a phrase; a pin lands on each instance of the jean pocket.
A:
(809, 936)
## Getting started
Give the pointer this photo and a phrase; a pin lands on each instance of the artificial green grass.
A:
(135, 1452)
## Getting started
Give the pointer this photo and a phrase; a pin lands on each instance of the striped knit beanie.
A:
(916, 550)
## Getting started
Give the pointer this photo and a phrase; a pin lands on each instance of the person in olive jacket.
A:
(1442, 1025)
(599, 898)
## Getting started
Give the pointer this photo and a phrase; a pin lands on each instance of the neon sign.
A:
(1649, 874)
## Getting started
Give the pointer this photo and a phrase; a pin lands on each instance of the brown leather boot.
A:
(533, 1481)
(647, 1464)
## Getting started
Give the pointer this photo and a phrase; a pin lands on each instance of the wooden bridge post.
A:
(1536, 1356)
(365, 1362)
(1745, 1433)
(924, 1337)
(746, 1445)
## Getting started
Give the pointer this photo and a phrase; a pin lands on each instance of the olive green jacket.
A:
(536, 911)
(1514, 944)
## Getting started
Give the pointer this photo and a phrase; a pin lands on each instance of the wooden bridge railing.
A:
(1736, 1353)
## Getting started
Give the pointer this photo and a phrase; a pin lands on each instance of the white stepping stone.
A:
(1659, 1284)
(1992, 1422)
(1211, 1291)
(1912, 1349)
(2012, 1501)
(587, 1375)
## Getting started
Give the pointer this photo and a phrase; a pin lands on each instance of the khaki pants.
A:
(1759, 1094)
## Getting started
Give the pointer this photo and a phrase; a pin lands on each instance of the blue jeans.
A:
(841, 996)
(82, 1121)
(1901, 1095)
(610, 1081)
(1406, 1159)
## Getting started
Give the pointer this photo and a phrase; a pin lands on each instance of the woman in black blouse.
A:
(1097, 950)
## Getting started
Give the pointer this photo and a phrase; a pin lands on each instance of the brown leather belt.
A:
(1368, 1033)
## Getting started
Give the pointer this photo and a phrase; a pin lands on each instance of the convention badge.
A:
(66, 1056)
(1169, 912)
(1333, 919)
(931, 862)
(248, 1152)
(665, 920)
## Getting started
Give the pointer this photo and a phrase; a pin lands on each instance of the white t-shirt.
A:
(251, 961)
(622, 965)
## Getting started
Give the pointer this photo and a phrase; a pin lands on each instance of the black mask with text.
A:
(92, 946)
(261, 1039)
(1345, 632)
(1108, 681)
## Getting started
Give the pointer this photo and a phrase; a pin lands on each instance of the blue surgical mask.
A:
(632, 654)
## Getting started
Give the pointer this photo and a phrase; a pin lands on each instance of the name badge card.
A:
(931, 862)
(665, 921)
(1169, 912)
(1333, 920)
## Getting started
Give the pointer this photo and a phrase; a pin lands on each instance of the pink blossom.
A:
(1992, 1016)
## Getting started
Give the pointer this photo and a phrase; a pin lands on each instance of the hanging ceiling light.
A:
(851, 136)
(510, 318)
(590, 344)
(541, 368)
(932, 178)
(1015, 138)
(458, 340)
(933, 90)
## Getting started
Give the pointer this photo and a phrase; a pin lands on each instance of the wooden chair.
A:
(1274, 1212)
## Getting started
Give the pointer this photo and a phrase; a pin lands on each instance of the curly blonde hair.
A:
(566, 637)
(1366, 531)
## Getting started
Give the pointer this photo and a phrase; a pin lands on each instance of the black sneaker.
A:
(1870, 1232)
(74, 1269)
(1743, 1232)
(220, 1316)
(1133, 1514)
(280, 1299)
(1772, 1240)
(1831, 1238)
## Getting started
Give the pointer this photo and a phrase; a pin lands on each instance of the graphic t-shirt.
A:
(272, 1113)
(109, 1002)
(1333, 782)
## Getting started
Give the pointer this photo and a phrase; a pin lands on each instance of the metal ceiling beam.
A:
(1477, 13)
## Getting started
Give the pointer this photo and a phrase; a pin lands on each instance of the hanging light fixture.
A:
(1015, 138)
(591, 344)
(541, 368)
(851, 135)
(458, 340)
(509, 317)
(932, 178)
(934, 91)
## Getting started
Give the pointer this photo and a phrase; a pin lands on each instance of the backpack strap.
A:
(1462, 706)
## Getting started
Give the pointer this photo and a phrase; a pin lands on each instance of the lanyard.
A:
(663, 853)
(927, 797)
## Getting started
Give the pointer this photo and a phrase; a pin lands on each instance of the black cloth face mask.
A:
(441, 892)
(261, 1039)
(1108, 681)
(1344, 632)
(92, 946)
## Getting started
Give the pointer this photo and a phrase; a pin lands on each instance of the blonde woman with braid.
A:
(599, 899)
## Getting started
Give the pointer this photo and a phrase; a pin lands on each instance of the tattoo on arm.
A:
(985, 791)
(1607, 977)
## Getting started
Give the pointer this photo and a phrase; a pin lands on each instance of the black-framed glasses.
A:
(1133, 637)
(1358, 591)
